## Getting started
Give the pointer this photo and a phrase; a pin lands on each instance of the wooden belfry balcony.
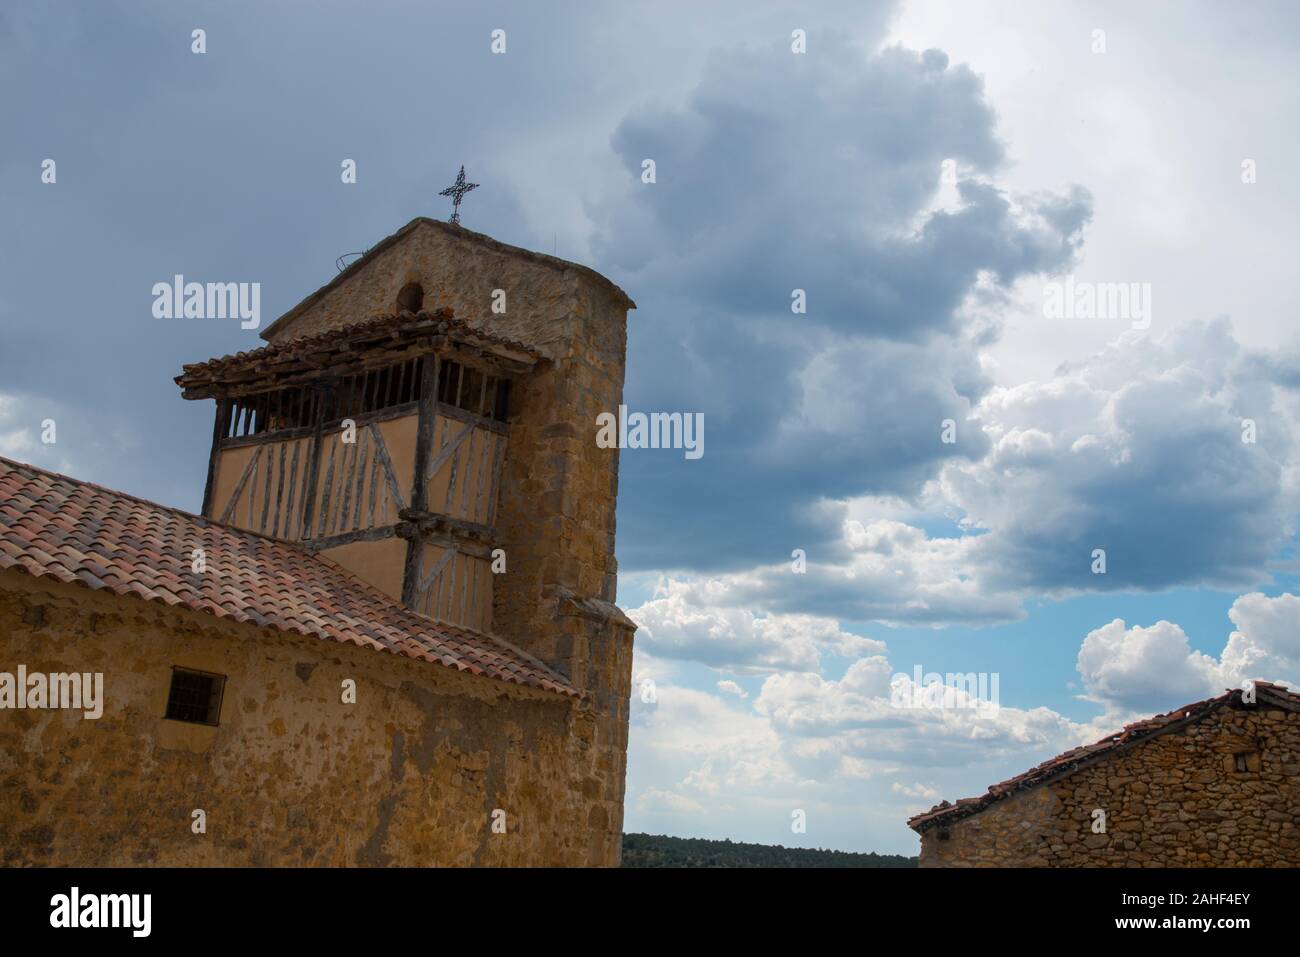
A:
(380, 445)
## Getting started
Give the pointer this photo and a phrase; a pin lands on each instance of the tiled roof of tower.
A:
(1075, 758)
(320, 349)
(52, 526)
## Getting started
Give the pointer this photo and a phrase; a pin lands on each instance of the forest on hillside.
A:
(655, 850)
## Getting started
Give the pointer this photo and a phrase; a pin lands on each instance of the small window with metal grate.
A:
(195, 696)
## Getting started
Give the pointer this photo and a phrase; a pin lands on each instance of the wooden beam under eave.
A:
(439, 523)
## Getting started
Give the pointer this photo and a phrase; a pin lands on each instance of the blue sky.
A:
(923, 172)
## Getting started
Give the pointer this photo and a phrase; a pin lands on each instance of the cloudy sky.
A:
(929, 173)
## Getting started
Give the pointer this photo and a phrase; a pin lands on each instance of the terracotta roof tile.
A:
(52, 526)
(1070, 761)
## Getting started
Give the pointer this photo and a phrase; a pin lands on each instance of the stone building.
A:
(390, 638)
(1213, 784)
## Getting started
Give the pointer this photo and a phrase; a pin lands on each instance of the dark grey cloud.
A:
(809, 172)
(820, 173)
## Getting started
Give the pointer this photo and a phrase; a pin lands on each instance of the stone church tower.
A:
(474, 372)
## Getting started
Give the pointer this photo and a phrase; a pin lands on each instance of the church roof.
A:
(461, 234)
(52, 526)
(1065, 764)
(293, 356)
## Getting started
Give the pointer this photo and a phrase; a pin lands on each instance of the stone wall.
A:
(1172, 800)
(409, 775)
(556, 522)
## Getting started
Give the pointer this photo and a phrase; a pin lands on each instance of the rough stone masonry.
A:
(1215, 784)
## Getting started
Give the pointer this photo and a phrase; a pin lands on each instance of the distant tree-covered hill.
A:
(653, 850)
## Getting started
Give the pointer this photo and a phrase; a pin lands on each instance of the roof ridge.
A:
(482, 239)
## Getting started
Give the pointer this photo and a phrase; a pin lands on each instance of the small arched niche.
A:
(411, 298)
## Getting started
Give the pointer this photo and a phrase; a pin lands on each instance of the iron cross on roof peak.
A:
(457, 191)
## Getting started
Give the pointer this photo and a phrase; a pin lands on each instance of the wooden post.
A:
(218, 433)
(429, 368)
(323, 398)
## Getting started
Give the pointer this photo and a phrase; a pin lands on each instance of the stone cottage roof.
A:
(1065, 764)
(461, 234)
(52, 526)
(296, 356)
